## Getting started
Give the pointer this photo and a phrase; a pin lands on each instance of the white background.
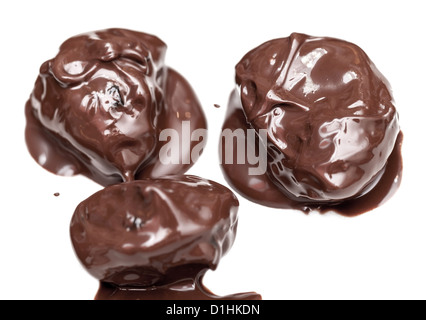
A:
(281, 254)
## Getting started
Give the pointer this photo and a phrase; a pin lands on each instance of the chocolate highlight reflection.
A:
(98, 107)
(155, 239)
(333, 139)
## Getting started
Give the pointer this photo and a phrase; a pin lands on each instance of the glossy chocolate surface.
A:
(99, 106)
(155, 238)
(332, 128)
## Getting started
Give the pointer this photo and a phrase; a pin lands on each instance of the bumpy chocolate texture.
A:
(98, 108)
(329, 114)
(156, 237)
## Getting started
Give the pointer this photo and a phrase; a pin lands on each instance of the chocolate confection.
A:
(332, 134)
(99, 106)
(155, 238)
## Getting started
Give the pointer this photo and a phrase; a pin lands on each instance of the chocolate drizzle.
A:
(155, 239)
(333, 138)
(99, 106)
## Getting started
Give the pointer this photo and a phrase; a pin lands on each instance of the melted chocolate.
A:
(99, 106)
(155, 238)
(333, 139)
(187, 288)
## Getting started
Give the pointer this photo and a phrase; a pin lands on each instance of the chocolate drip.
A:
(184, 289)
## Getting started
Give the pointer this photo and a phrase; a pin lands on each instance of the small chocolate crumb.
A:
(56, 194)
(216, 106)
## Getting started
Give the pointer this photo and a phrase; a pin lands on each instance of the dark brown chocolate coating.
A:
(99, 106)
(154, 234)
(330, 120)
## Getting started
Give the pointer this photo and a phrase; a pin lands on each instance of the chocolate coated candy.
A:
(329, 116)
(99, 106)
(155, 238)
(135, 233)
